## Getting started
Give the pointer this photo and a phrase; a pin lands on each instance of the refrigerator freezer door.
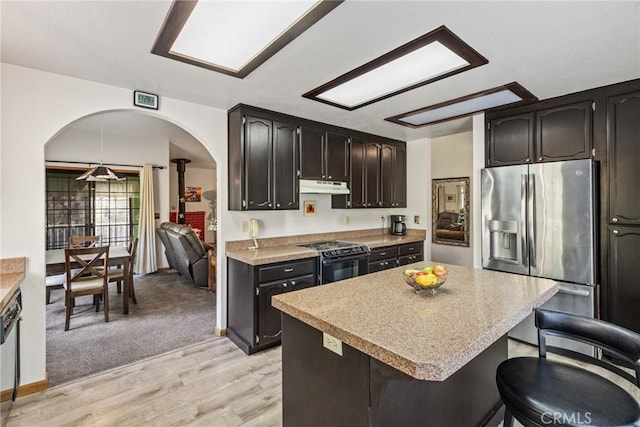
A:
(561, 228)
(574, 299)
(504, 218)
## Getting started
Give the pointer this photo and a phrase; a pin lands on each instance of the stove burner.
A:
(336, 248)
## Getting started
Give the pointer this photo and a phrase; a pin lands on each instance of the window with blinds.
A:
(109, 209)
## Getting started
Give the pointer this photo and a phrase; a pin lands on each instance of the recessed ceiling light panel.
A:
(428, 58)
(510, 94)
(234, 37)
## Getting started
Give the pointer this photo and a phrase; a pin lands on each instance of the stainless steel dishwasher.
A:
(9, 354)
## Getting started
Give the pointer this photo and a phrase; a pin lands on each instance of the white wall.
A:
(476, 188)
(27, 127)
(419, 188)
(195, 177)
(452, 157)
(75, 145)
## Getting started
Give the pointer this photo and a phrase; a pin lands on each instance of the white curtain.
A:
(146, 260)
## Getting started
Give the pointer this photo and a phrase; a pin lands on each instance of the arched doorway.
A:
(124, 140)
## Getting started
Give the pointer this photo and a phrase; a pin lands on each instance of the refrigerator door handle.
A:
(575, 292)
(531, 226)
(523, 219)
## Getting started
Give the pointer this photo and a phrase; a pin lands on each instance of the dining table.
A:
(118, 255)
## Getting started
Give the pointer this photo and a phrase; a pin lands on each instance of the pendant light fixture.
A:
(101, 172)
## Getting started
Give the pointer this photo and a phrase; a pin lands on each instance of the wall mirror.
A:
(450, 205)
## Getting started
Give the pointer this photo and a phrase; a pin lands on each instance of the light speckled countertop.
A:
(426, 337)
(286, 249)
(12, 273)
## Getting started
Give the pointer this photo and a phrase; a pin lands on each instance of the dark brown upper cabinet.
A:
(337, 157)
(562, 132)
(312, 149)
(258, 161)
(357, 187)
(324, 155)
(393, 176)
(623, 144)
(263, 162)
(378, 175)
(511, 140)
(372, 175)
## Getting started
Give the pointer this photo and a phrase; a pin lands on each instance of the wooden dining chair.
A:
(117, 275)
(89, 279)
(83, 241)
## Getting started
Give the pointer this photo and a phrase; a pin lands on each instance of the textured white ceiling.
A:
(551, 48)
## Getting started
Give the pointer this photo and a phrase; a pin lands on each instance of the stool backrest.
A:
(620, 342)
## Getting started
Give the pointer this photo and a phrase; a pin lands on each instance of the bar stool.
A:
(542, 392)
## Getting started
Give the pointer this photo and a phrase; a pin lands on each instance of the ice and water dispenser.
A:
(503, 238)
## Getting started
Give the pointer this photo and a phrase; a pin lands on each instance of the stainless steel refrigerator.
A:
(538, 220)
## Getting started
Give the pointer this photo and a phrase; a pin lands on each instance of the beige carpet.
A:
(171, 313)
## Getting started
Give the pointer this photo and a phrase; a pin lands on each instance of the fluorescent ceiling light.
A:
(510, 94)
(234, 37)
(428, 58)
(423, 64)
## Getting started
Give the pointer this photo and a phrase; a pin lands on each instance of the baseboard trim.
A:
(35, 387)
(221, 332)
(164, 269)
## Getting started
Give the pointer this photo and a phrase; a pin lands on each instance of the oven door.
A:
(335, 269)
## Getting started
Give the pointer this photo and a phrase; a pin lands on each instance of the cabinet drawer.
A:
(410, 259)
(383, 253)
(286, 270)
(298, 283)
(410, 249)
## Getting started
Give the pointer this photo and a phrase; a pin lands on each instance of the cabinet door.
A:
(302, 282)
(623, 143)
(269, 325)
(564, 133)
(386, 175)
(372, 175)
(357, 187)
(337, 166)
(511, 140)
(312, 153)
(400, 177)
(624, 270)
(285, 165)
(258, 161)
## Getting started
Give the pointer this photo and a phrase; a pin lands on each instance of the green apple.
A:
(427, 270)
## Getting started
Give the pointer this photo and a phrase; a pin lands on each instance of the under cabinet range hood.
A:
(323, 187)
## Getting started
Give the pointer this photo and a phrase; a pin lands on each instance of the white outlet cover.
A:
(332, 343)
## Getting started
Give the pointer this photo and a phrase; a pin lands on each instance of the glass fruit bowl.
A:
(424, 283)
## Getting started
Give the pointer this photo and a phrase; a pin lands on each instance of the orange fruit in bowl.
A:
(439, 270)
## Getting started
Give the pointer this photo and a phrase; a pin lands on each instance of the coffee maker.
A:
(398, 227)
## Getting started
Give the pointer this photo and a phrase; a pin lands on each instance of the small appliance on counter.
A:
(398, 226)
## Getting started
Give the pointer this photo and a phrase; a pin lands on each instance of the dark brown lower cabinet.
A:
(321, 388)
(624, 277)
(383, 258)
(252, 322)
(394, 256)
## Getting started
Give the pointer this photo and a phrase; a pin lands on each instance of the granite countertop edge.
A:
(12, 273)
(416, 369)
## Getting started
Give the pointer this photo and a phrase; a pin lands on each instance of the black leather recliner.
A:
(185, 252)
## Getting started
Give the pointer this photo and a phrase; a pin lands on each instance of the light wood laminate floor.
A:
(209, 384)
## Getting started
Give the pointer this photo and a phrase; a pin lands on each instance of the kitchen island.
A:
(406, 359)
